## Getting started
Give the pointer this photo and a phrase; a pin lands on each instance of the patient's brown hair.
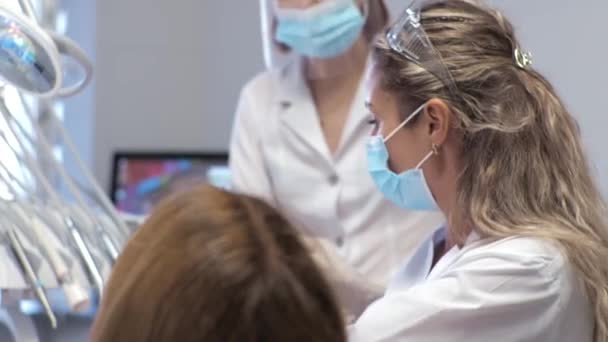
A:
(209, 265)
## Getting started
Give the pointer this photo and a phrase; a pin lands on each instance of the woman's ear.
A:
(439, 117)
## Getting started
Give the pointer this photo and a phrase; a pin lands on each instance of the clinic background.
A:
(168, 73)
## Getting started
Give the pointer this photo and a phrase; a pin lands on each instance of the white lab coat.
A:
(278, 152)
(512, 290)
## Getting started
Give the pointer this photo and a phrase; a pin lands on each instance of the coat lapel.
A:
(297, 112)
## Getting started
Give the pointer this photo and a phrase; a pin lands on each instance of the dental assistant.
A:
(300, 132)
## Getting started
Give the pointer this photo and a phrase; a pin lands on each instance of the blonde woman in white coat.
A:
(465, 124)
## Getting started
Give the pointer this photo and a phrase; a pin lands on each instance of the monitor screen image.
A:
(141, 180)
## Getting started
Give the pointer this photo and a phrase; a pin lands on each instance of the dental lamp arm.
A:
(68, 47)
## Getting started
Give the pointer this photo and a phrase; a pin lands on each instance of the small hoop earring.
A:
(435, 149)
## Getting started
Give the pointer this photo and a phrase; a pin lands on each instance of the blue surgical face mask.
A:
(324, 30)
(409, 189)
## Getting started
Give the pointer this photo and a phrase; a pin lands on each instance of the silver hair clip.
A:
(523, 59)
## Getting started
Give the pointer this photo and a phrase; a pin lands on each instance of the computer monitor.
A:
(141, 179)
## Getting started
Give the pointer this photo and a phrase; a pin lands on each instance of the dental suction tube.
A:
(80, 244)
(108, 242)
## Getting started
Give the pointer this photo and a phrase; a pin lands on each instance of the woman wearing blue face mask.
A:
(464, 124)
(300, 130)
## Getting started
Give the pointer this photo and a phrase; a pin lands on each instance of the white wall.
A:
(168, 76)
(80, 109)
(169, 73)
(570, 46)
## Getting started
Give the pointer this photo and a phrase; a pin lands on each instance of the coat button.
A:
(340, 241)
(333, 179)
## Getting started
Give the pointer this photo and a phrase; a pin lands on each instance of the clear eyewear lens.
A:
(408, 38)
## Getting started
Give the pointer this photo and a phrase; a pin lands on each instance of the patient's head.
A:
(210, 266)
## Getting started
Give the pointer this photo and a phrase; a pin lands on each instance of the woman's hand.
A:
(355, 292)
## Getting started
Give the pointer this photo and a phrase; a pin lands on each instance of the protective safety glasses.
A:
(408, 38)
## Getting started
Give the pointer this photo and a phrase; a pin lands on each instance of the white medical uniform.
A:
(516, 289)
(278, 152)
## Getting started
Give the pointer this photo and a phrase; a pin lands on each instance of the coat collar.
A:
(419, 267)
(298, 113)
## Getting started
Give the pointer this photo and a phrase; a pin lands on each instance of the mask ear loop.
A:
(434, 151)
(405, 122)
